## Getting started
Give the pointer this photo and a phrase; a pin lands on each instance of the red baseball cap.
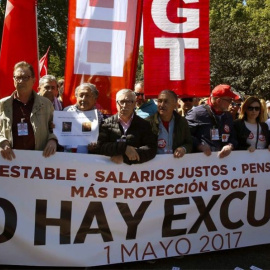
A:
(223, 90)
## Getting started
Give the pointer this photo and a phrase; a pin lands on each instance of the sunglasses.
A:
(236, 104)
(139, 94)
(187, 99)
(250, 108)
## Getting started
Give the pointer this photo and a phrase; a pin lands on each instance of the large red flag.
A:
(19, 41)
(176, 47)
(43, 64)
(102, 47)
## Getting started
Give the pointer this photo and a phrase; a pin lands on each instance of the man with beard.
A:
(211, 125)
(126, 137)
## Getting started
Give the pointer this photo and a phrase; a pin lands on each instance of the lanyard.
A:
(211, 114)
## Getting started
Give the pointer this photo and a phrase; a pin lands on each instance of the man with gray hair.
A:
(126, 137)
(48, 88)
(171, 129)
(86, 97)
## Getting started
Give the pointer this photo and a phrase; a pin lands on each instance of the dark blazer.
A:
(181, 132)
(201, 123)
(138, 135)
(242, 133)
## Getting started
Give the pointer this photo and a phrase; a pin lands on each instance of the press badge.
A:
(225, 137)
(214, 134)
(22, 128)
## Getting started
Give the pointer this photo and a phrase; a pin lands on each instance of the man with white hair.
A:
(126, 137)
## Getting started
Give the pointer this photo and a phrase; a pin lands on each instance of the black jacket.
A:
(138, 135)
(242, 133)
(200, 123)
(181, 132)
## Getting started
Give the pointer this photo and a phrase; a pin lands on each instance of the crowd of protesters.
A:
(141, 128)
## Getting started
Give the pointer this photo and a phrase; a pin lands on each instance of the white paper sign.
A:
(76, 128)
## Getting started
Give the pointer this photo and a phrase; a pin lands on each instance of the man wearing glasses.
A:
(211, 125)
(234, 108)
(144, 107)
(25, 117)
(126, 137)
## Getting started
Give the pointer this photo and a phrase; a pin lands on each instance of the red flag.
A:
(19, 41)
(43, 64)
(176, 47)
(102, 48)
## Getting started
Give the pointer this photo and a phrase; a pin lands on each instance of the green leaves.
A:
(239, 45)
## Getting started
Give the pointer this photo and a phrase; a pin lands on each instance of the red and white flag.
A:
(176, 47)
(19, 41)
(43, 64)
(102, 48)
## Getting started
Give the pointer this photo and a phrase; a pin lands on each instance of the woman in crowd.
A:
(264, 109)
(251, 131)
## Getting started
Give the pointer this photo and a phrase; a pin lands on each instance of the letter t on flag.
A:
(19, 41)
(176, 47)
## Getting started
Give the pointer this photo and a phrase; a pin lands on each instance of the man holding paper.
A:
(86, 97)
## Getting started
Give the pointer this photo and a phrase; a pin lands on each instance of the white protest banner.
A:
(76, 128)
(83, 210)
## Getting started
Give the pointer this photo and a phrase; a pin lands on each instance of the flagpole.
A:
(36, 3)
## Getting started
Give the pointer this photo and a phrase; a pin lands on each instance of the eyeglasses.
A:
(49, 87)
(250, 108)
(139, 94)
(226, 99)
(124, 102)
(187, 99)
(236, 104)
(21, 78)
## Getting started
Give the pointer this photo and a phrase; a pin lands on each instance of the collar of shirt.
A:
(166, 124)
(124, 124)
(15, 96)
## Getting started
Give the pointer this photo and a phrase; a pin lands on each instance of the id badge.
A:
(214, 134)
(225, 137)
(22, 129)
